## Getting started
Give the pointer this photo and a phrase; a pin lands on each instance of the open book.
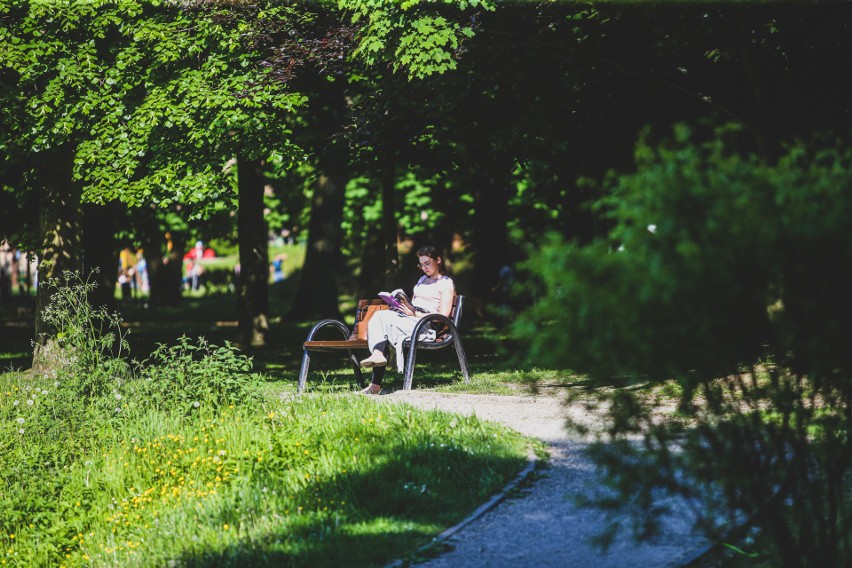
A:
(396, 299)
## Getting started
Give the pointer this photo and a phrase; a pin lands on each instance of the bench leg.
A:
(356, 365)
(462, 359)
(303, 372)
(409, 366)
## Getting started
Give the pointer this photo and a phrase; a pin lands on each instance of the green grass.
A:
(321, 480)
(189, 458)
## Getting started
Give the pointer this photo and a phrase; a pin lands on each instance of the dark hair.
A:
(434, 253)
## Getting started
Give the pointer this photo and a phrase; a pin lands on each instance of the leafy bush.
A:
(55, 421)
(188, 375)
(732, 276)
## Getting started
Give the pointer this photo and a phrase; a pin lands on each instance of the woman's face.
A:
(429, 265)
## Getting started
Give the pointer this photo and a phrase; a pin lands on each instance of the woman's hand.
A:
(406, 311)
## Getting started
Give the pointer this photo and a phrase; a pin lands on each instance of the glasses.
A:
(426, 264)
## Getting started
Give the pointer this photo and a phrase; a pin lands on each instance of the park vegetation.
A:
(180, 459)
(727, 276)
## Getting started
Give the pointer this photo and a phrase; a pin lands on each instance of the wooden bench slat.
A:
(339, 344)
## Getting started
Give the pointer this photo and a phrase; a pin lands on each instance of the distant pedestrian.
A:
(142, 282)
(127, 272)
(278, 274)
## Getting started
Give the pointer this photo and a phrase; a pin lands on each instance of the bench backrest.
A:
(366, 309)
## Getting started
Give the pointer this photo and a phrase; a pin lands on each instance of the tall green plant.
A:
(90, 342)
(188, 375)
(730, 276)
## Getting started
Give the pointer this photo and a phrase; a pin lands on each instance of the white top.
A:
(427, 292)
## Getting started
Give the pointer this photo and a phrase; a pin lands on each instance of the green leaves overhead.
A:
(419, 38)
(155, 97)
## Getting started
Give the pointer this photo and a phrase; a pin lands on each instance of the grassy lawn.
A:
(326, 479)
(322, 480)
(191, 461)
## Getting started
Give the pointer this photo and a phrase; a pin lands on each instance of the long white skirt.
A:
(394, 327)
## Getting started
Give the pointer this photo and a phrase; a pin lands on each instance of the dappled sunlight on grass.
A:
(257, 485)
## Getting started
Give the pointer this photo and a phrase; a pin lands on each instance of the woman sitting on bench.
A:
(433, 293)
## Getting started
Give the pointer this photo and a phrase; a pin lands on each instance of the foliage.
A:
(729, 275)
(414, 36)
(187, 375)
(154, 97)
(205, 97)
(90, 341)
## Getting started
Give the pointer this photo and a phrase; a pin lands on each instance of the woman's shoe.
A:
(372, 389)
(373, 361)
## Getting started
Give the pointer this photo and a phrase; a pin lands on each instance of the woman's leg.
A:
(375, 386)
(378, 357)
(378, 332)
(386, 328)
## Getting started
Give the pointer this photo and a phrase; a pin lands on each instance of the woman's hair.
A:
(434, 253)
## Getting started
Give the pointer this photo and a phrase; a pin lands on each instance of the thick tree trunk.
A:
(317, 293)
(100, 256)
(490, 240)
(253, 290)
(166, 272)
(371, 275)
(60, 231)
(152, 242)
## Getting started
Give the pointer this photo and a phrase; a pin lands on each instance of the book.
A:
(397, 299)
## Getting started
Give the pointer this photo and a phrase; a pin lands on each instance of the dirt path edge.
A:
(496, 499)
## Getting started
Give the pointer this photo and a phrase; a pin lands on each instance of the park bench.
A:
(447, 330)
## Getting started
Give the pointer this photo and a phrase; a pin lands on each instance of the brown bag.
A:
(364, 315)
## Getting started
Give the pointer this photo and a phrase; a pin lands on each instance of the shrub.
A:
(732, 276)
(188, 375)
(55, 422)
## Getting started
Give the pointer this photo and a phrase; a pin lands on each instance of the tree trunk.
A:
(60, 231)
(371, 275)
(389, 230)
(490, 240)
(253, 290)
(99, 252)
(317, 293)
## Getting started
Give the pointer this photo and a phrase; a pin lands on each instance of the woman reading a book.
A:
(433, 294)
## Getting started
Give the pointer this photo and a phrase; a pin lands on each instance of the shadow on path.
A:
(544, 526)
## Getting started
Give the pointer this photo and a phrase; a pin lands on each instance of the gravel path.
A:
(544, 527)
